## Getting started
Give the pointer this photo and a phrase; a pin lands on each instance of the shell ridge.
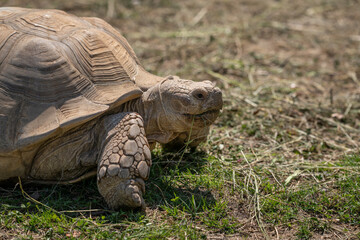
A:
(5, 56)
(55, 78)
(104, 26)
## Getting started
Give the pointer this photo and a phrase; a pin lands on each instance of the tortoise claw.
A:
(119, 193)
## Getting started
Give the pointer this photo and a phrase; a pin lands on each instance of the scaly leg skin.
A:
(125, 161)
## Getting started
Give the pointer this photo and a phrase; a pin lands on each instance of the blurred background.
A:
(310, 45)
(271, 58)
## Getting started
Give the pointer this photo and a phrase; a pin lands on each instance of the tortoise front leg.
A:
(125, 161)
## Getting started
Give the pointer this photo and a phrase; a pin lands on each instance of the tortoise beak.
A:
(210, 103)
(209, 96)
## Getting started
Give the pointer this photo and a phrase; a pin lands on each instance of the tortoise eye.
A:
(200, 96)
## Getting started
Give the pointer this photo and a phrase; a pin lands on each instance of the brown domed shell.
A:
(58, 71)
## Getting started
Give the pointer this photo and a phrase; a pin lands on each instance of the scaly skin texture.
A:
(174, 111)
(174, 108)
(171, 113)
(125, 161)
(72, 99)
(191, 139)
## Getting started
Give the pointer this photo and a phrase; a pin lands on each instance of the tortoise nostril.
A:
(217, 91)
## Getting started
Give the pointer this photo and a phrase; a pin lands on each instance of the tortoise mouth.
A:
(207, 116)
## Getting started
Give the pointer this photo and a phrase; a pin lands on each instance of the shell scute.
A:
(57, 71)
(53, 24)
(102, 57)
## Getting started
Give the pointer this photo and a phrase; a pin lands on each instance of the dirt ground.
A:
(289, 71)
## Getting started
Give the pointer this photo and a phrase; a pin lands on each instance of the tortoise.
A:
(75, 100)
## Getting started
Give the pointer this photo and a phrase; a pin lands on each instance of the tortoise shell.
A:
(58, 71)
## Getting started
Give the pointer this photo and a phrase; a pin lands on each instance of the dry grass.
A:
(290, 75)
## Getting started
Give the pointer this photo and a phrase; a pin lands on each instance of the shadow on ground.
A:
(83, 198)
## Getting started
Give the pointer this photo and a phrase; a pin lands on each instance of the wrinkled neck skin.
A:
(156, 121)
(175, 106)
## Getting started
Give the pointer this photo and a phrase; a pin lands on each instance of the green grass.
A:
(194, 200)
(180, 200)
(315, 206)
(281, 162)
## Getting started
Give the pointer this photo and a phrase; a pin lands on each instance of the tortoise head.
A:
(184, 105)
